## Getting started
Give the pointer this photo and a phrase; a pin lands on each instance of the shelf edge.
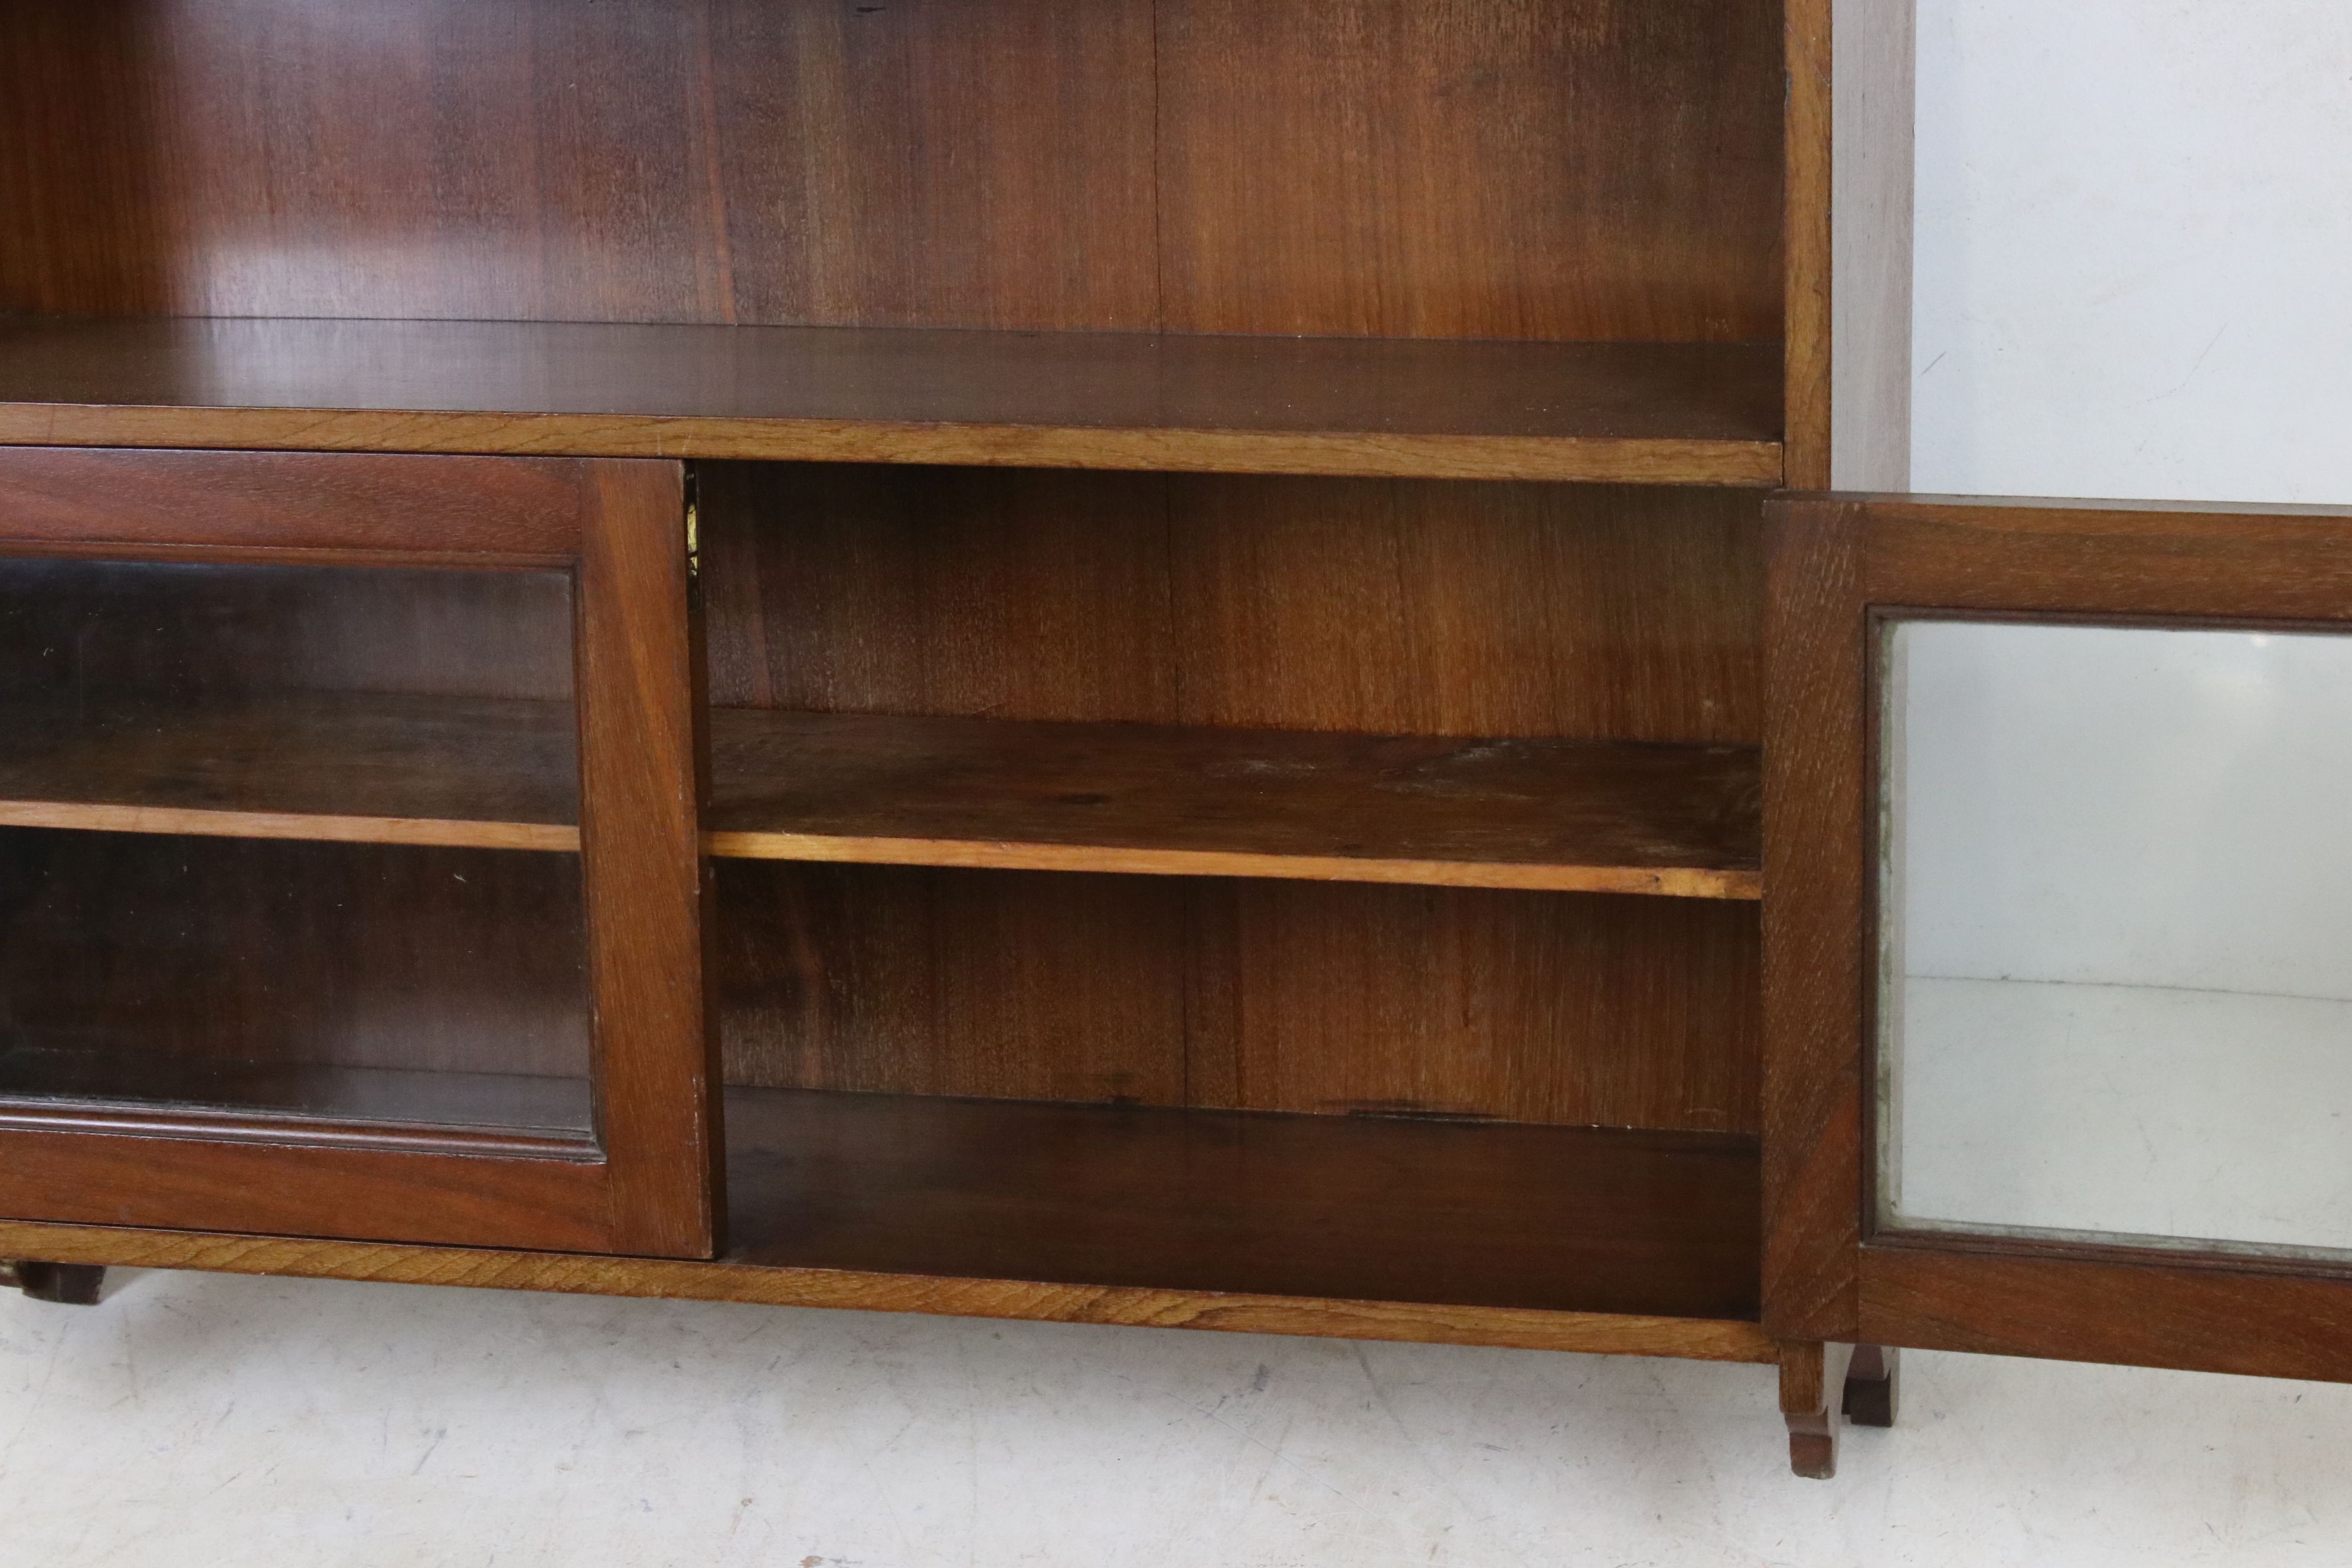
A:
(195, 823)
(1693, 1339)
(1684, 882)
(1730, 462)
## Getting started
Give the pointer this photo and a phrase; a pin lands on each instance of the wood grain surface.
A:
(729, 1279)
(1606, 170)
(1576, 817)
(492, 773)
(1447, 1213)
(1614, 612)
(1277, 995)
(1835, 562)
(1646, 412)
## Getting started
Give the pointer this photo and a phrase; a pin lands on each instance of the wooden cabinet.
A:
(348, 884)
(1107, 660)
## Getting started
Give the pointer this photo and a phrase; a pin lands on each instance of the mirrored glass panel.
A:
(2114, 999)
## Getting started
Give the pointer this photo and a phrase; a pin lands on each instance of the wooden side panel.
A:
(1399, 608)
(1851, 116)
(1816, 850)
(1475, 168)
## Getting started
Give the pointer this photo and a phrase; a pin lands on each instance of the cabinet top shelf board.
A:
(1612, 413)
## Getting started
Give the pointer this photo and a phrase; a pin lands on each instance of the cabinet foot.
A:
(71, 1284)
(1812, 1382)
(1873, 1385)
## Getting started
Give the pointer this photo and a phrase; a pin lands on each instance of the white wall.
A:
(2134, 226)
(2135, 250)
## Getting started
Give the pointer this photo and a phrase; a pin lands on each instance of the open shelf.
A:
(486, 772)
(1362, 1208)
(1562, 816)
(1700, 413)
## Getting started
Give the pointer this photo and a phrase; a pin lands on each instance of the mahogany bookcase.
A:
(1105, 660)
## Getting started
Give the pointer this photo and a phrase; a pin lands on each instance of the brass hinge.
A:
(693, 539)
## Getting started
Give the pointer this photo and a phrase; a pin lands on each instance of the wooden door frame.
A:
(651, 1186)
(1837, 566)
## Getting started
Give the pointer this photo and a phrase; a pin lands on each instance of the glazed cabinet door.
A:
(349, 883)
(2058, 930)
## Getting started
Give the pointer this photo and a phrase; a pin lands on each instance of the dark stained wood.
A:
(1812, 1380)
(2133, 1312)
(1527, 1006)
(729, 1279)
(66, 1284)
(1834, 563)
(1247, 994)
(491, 772)
(104, 927)
(1873, 1387)
(215, 950)
(1608, 170)
(2105, 558)
(658, 1090)
(1565, 815)
(1538, 611)
(1474, 168)
(290, 503)
(1850, 132)
(1366, 1208)
(1816, 846)
(363, 1194)
(1026, 986)
(1643, 413)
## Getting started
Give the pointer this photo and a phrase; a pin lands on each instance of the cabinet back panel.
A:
(1240, 995)
(1567, 169)
(1391, 606)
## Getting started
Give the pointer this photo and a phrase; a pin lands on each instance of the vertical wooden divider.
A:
(640, 820)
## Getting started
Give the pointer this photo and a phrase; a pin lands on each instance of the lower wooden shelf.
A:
(1443, 1232)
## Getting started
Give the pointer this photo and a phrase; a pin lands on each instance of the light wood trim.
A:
(442, 832)
(1590, 459)
(1680, 883)
(1595, 1334)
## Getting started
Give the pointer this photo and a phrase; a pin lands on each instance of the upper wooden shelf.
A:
(1561, 816)
(1620, 413)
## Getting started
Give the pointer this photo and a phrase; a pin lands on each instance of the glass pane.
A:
(291, 842)
(2116, 995)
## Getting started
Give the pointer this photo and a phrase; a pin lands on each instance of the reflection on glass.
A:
(260, 861)
(2116, 926)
